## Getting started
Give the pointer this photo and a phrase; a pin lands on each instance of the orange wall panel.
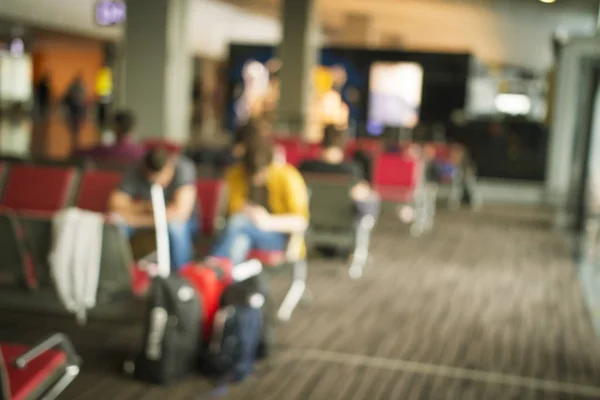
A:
(63, 62)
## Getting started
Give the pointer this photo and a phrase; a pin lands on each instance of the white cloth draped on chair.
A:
(75, 259)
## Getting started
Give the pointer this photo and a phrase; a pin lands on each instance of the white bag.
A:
(75, 259)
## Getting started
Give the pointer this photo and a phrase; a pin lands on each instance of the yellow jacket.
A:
(285, 186)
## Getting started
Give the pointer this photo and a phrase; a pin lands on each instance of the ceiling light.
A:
(548, 1)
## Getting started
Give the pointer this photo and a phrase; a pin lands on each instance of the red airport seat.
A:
(312, 151)
(212, 199)
(212, 195)
(95, 189)
(31, 196)
(397, 177)
(370, 146)
(40, 372)
(37, 190)
(294, 152)
(2, 173)
(400, 179)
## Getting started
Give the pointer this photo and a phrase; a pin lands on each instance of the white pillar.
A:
(298, 53)
(158, 67)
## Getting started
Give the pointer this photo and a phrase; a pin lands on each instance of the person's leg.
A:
(181, 243)
(268, 241)
(234, 243)
(241, 235)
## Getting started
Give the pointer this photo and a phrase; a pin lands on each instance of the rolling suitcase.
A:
(172, 337)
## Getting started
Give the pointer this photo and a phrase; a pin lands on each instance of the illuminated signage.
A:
(110, 12)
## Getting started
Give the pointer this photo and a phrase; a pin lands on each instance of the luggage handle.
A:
(159, 209)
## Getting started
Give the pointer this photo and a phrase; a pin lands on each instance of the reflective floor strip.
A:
(441, 370)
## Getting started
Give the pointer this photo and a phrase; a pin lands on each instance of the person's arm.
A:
(296, 197)
(134, 213)
(182, 206)
(121, 202)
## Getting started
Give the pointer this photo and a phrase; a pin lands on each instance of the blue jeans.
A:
(241, 235)
(181, 241)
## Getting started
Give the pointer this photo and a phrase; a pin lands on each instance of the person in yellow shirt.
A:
(104, 88)
(268, 201)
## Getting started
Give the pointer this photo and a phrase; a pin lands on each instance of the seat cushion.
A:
(24, 382)
(396, 194)
(210, 195)
(95, 190)
(36, 188)
(268, 258)
(397, 170)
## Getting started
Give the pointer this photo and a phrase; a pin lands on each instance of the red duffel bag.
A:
(209, 279)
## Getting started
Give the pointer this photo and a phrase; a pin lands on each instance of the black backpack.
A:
(172, 335)
(242, 332)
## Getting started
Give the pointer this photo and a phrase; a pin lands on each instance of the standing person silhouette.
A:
(74, 101)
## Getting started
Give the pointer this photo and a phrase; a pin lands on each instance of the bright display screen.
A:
(110, 12)
(395, 90)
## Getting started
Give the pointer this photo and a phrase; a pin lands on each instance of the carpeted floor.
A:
(487, 306)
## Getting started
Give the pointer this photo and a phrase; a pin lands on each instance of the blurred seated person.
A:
(268, 201)
(332, 162)
(235, 153)
(131, 202)
(443, 168)
(124, 150)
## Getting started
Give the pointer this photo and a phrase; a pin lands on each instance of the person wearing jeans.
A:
(181, 240)
(268, 201)
(131, 202)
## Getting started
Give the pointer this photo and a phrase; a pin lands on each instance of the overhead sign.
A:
(110, 12)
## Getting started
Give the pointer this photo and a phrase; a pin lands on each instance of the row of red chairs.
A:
(32, 194)
(45, 369)
(297, 151)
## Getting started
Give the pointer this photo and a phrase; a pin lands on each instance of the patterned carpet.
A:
(487, 306)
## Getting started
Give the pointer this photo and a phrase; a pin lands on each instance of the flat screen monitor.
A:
(110, 12)
(395, 90)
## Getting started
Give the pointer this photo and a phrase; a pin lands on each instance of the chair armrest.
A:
(294, 246)
(55, 340)
(366, 222)
(23, 246)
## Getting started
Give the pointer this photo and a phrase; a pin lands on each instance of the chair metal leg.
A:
(360, 255)
(70, 374)
(455, 192)
(419, 224)
(295, 292)
(431, 202)
(470, 184)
